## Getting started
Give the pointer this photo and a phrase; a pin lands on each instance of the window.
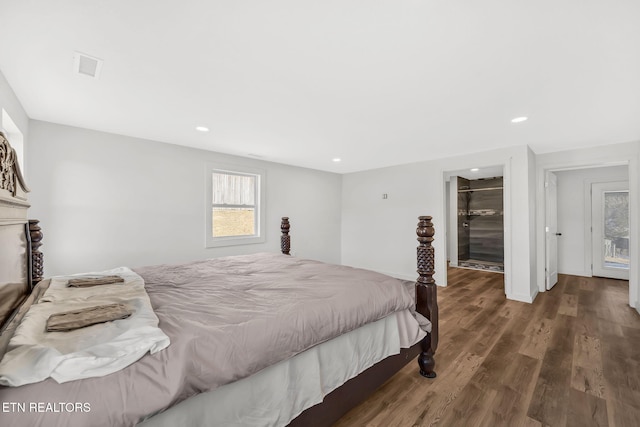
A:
(234, 206)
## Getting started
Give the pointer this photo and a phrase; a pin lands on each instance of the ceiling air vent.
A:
(86, 65)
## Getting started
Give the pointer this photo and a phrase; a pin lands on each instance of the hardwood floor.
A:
(572, 358)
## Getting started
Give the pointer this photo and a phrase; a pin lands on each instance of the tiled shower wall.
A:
(480, 220)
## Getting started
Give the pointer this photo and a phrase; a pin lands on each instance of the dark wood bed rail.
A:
(426, 289)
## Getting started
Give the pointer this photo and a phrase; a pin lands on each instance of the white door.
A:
(610, 229)
(551, 230)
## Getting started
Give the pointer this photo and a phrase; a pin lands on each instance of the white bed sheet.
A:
(34, 354)
(279, 393)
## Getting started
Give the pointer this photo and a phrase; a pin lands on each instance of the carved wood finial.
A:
(37, 257)
(285, 239)
(426, 294)
(425, 253)
(10, 174)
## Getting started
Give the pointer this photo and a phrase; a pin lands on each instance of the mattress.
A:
(276, 395)
(227, 319)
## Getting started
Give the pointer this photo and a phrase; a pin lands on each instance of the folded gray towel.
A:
(76, 319)
(85, 282)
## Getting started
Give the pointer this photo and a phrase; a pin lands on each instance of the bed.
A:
(309, 396)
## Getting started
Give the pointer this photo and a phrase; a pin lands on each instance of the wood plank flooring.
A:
(572, 358)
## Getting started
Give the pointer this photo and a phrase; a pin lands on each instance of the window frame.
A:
(259, 236)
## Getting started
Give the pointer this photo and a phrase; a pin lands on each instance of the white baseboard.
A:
(580, 273)
(523, 298)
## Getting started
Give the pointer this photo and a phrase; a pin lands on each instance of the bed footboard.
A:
(426, 295)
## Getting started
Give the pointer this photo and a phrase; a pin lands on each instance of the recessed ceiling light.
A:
(474, 170)
(202, 129)
(337, 160)
(519, 119)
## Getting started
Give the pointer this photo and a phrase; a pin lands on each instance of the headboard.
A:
(15, 242)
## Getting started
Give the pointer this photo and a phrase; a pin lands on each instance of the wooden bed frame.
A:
(353, 392)
(17, 283)
(15, 270)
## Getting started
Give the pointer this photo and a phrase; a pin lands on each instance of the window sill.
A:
(233, 241)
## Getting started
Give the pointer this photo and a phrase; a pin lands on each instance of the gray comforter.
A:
(227, 319)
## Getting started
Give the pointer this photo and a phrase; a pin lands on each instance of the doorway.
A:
(551, 230)
(610, 229)
(581, 192)
(480, 223)
(451, 213)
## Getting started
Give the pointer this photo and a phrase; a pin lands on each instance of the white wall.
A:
(380, 234)
(531, 220)
(106, 200)
(626, 153)
(574, 215)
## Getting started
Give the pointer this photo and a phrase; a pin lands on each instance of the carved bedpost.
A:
(426, 295)
(285, 239)
(37, 257)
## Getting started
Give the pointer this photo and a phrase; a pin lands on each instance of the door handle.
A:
(558, 234)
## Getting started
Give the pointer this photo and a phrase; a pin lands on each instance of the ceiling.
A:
(374, 83)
